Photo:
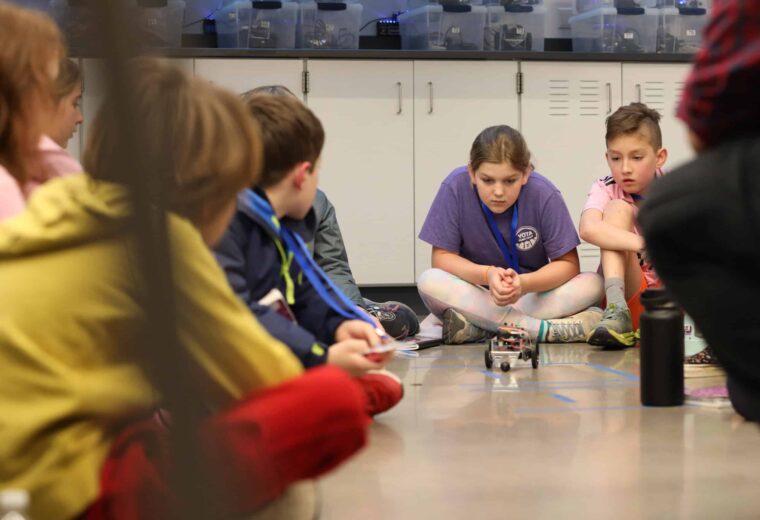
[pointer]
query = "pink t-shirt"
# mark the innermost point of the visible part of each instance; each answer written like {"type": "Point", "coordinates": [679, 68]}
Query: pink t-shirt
{"type": "Point", "coordinates": [605, 190]}
{"type": "Point", "coordinates": [12, 201]}
{"type": "Point", "coordinates": [56, 162]}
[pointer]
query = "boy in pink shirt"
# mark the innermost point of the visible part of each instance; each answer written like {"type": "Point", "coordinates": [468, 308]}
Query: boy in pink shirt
{"type": "Point", "coordinates": [635, 157]}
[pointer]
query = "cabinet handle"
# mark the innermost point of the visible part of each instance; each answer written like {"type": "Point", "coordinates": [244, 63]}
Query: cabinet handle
{"type": "Point", "coordinates": [638, 93]}
{"type": "Point", "coordinates": [430, 96]}
{"type": "Point", "coordinates": [609, 97]}
{"type": "Point", "coordinates": [400, 96]}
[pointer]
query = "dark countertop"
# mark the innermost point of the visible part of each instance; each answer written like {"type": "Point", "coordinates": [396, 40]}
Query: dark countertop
{"type": "Point", "coordinates": [386, 54]}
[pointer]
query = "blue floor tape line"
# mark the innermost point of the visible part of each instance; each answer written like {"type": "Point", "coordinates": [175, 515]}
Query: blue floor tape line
{"type": "Point", "coordinates": [490, 374]}
{"type": "Point", "coordinates": [563, 398]}
{"type": "Point", "coordinates": [507, 390]}
{"type": "Point", "coordinates": [626, 375]}
{"type": "Point", "coordinates": [571, 409]}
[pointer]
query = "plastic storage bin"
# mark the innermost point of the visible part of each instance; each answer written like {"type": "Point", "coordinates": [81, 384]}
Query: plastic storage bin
{"type": "Point", "coordinates": [329, 25]}
{"type": "Point", "coordinates": [257, 25]}
{"type": "Point", "coordinates": [159, 22]}
{"type": "Point", "coordinates": [76, 20]}
{"type": "Point", "coordinates": [443, 27]}
{"type": "Point", "coordinates": [581, 6]}
{"type": "Point", "coordinates": [680, 29]}
{"type": "Point", "coordinates": [607, 29]}
{"type": "Point", "coordinates": [515, 28]}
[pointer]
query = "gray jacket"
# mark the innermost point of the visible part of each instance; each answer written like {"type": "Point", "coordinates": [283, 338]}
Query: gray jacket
{"type": "Point", "coordinates": [329, 250]}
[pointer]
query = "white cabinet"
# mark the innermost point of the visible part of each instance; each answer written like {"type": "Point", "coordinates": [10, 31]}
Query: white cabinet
{"type": "Point", "coordinates": [564, 106]}
{"type": "Point", "coordinates": [453, 102]}
{"type": "Point", "coordinates": [94, 73]}
{"type": "Point", "coordinates": [367, 163]}
{"type": "Point", "coordinates": [242, 75]}
{"type": "Point", "coordinates": [659, 86]}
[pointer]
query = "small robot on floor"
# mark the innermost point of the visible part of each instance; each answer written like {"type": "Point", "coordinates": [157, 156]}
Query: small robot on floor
{"type": "Point", "coordinates": [509, 346]}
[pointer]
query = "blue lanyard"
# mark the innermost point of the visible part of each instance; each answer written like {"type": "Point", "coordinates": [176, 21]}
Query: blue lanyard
{"type": "Point", "coordinates": [316, 276]}
{"type": "Point", "coordinates": [510, 254]}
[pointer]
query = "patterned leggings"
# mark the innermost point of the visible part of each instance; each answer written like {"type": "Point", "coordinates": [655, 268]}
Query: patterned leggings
{"type": "Point", "coordinates": [441, 290]}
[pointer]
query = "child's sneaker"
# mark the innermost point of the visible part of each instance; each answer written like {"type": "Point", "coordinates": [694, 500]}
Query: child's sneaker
{"type": "Point", "coordinates": [457, 329]}
{"type": "Point", "coordinates": [398, 319]}
{"type": "Point", "coordinates": [615, 331]}
{"type": "Point", "coordinates": [383, 389]}
{"type": "Point", "coordinates": [573, 329]}
{"type": "Point", "coordinates": [702, 364]}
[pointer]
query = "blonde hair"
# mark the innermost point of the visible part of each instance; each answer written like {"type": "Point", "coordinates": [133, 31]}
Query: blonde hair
{"type": "Point", "coordinates": [69, 77]}
{"type": "Point", "coordinates": [198, 136]}
{"type": "Point", "coordinates": [500, 144]}
{"type": "Point", "coordinates": [29, 43]}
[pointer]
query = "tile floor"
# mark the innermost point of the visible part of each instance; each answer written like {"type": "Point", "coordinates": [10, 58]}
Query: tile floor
{"type": "Point", "coordinates": [569, 440]}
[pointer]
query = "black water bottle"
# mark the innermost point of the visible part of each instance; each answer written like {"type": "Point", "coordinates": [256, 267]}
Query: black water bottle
{"type": "Point", "coordinates": [662, 350]}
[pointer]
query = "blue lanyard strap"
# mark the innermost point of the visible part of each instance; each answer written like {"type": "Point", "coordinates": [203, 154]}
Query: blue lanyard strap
{"type": "Point", "coordinates": [510, 254]}
{"type": "Point", "coordinates": [316, 276]}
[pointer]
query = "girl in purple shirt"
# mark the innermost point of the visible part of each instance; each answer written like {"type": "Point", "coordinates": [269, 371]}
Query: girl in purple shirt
{"type": "Point", "coordinates": [504, 250]}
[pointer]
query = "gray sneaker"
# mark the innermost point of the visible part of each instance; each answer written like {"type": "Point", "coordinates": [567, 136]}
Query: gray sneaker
{"type": "Point", "coordinates": [615, 331]}
{"type": "Point", "coordinates": [457, 329]}
{"type": "Point", "coordinates": [573, 329]}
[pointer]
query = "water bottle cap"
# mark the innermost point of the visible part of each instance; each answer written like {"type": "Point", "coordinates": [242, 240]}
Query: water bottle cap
{"type": "Point", "coordinates": [657, 298]}
{"type": "Point", "coordinates": [14, 500]}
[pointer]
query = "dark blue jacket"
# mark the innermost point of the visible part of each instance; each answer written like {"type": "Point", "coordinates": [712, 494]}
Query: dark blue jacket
{"type": "Point", "coordinates": [249, 255]}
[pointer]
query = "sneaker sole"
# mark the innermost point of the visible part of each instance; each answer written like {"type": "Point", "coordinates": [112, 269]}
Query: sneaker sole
{"type": "Point", "coordinates": [610, 339]}
{"type": "Point", "coordinates": [694, 371]}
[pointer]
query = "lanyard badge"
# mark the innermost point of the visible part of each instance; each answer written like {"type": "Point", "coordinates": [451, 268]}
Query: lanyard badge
{"type": "Point", "coordinates": [322, 283]}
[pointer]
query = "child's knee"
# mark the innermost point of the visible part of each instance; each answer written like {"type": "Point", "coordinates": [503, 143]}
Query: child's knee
{"type": "Point", "coordinates": [430, 281]}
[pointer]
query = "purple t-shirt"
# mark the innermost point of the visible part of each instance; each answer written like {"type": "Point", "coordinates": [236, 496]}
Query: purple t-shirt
{"type": "Point", "coordinates": [456, 223]}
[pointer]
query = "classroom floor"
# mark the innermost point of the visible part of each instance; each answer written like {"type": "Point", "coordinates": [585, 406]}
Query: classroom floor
{"type": "Point", "coordinates": [569, 440]}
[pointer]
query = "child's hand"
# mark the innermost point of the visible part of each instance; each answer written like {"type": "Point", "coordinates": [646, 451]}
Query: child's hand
{"type": "Point", "coordinates": [514, 286]}
{"type": "Point", "coordinates": [351, 356]}
{"type": "Point", "coordinates": [358, 329]}
{"type": "Point", "coordinates": [500, 291]}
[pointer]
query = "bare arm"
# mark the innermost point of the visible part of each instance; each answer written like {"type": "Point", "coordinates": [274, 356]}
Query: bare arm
{"type": "Point", "coordinates": [553, 274]}
{"type": "Point", "coordinates": [594, 230]}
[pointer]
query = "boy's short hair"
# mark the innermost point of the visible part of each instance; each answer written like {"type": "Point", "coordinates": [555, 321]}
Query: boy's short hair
{"type": "Point", "coordinates": [635, 118]}
{"type": "Point", "coordinates": [291, 134]}
{"type": "Point", "coordinates": [196, 135]}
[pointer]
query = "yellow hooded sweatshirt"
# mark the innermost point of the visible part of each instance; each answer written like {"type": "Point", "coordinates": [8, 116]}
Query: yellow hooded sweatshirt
{"type": "Point", "coordinates": [69, 321]}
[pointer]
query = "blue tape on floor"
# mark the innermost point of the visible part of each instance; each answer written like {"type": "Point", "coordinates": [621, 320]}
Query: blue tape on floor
{"type": "Point", "coordinates": [570, 409]}
{"type": "Point", "coordinates": [507, 390]}
{"type": "Point", "coordinates": [626, 375]}
{"type": "Point", "coordinates": [490, 374]}
{"type": "Point", "coordinates": [563, 398]}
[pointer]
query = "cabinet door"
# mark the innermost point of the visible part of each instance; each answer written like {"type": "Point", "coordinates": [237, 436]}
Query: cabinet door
{"type": "Point", "coordinates": [367, 162]}
{"type": "Point", "coordinates": [453, 102]}
{"type": "Point", "coordinates": [94, 71]}
{"type": "Point", "coordinates": [659, 86]}
{"type": "Point", "coordinates": [564, 107]}
{"type": "Point", "coordinates": [242, 75]}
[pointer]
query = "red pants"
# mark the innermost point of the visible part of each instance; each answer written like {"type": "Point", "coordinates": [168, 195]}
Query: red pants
{"type": "Point", "coordinates": [256, 449]}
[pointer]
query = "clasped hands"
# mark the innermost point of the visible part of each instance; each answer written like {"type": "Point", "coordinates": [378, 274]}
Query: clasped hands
{"type": "Point", "coordinates": [504, 285]}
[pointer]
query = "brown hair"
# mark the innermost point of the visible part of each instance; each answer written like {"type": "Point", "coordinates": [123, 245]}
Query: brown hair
{"type": "Point", "coordinates": [632, 119]}
{"type": "Point", "coordinates": [196, 134]}
{"type": "Point", "coordinates": [69, 77]}
{"type": "Point", "coordinates": [291, 134]}
{"type": "Point", "coordinates": [29, 43]}
{"type": "Point", "coordinates": [500, 144]}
